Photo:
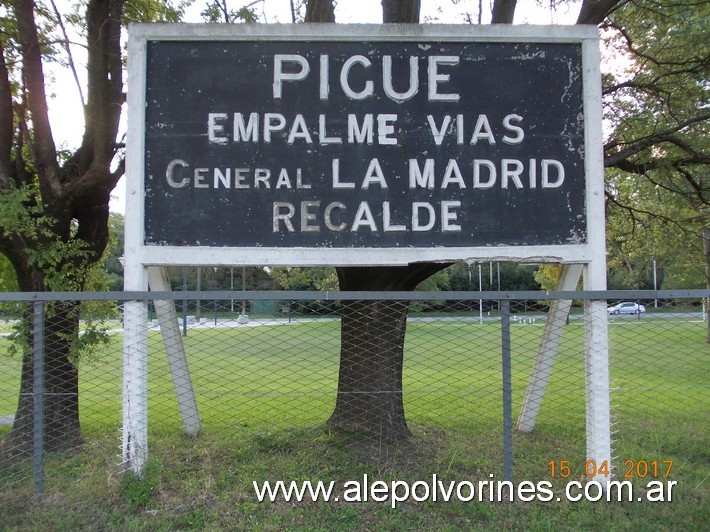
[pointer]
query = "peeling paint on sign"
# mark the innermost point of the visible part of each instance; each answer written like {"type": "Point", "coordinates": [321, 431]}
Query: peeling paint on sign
{"type": "Point", "coordinates": [364, 144]}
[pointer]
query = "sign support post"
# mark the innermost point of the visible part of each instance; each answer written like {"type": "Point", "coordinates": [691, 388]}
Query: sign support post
{"type": "Point", "coordinates": [135, 373]}
{"type": "Point", "coordinates": [547, 352]}
{"type": "Point", "coordinates": [175, 350]}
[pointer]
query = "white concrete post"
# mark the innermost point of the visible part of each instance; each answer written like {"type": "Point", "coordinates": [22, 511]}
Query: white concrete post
{"type": "Point", "coordinates": [135, 386]}
{"type": "Point", "coordinates": [597, 379]}
{"type": "Point", "coordinates": [175, 349]}
{"type": "Point", "coordinates": [596, 325]}
{"type": "Point", "coordinates": [547, 351]}
{"type": "Point", "coordinates": [135, 333]}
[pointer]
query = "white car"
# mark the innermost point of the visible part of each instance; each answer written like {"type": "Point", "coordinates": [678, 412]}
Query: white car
{"type": "Point", "coordinates": [626, 308]}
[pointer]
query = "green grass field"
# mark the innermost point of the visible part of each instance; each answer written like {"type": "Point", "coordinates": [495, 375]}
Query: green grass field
{"type": "Point", "coordinates": [264, 394]}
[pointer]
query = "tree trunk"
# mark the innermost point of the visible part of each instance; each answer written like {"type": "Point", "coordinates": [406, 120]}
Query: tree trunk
{"type": "Point", "coordinates": [370, 376]}
{"type": "Point", "coordinates": [400, 11]}
{"type": "Point", "coordinates": [372, 351]}
{"type": "Point", "coordinates": [320, 11]}
{"type": "Point", "coordinates": [62, 430]}
{"type": "Point", "coordinates": [372, 332]}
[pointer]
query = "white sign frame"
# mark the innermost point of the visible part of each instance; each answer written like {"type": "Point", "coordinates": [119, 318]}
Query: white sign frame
{"type": "Point", "coordinates": [138, 257]}
{"type": "Point", "coordinates": [162, 255]}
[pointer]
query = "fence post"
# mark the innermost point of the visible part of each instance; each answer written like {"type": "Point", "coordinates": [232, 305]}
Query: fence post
{"type": "Point", "coordinates": [135, 385]}
{"type": "Point", "coordinates": [598, 387]}
{"type": "Point", "coordinates": [38, 397]}
{"type": "Point", "coordinates": [184, 301]}
{"type": "Point", "coordinates": [507, 391]}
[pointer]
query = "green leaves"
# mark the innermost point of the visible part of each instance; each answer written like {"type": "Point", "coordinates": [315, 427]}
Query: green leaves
{"type": "Point", "coordinates": [219, 11]}
{"type": "Point", "coordinates": [154, 10]}
{"type": "Point", "coordinates": [305, 278]}
{"type": "Point", "coordinates": [658, 151]}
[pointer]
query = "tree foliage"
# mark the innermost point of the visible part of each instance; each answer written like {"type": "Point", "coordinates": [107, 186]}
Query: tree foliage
{"type": "Point", "coordinates": [8, 279]}
{"type": "Point", "coordinates": [305, 278]}
{"type": "Point", "coordinates": [220, 11]}
{"type": "Point", "coordinates": [647, 225]}
{"type": "Point", "coordinates": [114, 251]}
{"type": "Point", "coordinates": [658, 152]}
{"type": "Point", "coordinates": [54, 204]}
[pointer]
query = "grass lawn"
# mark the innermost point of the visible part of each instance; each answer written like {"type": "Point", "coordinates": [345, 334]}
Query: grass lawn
{"type": "Point", "coordinates": [264, 394]}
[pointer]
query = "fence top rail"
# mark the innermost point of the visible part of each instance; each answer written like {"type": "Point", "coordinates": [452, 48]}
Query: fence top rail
{"type": "Point", "coordinates": [349, 295]}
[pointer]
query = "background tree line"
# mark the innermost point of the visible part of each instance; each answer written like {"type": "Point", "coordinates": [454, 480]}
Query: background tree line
{"type": "Point", "coordinates": [677, 255]}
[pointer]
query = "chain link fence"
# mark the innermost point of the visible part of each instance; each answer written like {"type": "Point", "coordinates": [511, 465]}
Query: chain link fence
{"type": "Point", "coordinates": [261, 366]}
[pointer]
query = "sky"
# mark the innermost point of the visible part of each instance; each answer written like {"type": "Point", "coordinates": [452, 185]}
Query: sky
{"type": "Point", "coordinates": [65, 103]}
{"type": "Point", "coordinates": [432, 11]}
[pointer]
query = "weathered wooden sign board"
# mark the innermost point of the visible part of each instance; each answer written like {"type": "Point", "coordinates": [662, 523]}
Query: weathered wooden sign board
{"type": "Point", "coordinates": [407, 143]}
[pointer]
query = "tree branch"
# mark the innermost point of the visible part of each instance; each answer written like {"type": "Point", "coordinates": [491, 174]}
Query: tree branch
{"type": "Point", "coordinates": [70, 57]}
{"type": "Point", "coordinates": [613, 159]}
{"type": "Point", "coordinates": [44, 151]}
{"type": "Point", "coordinates": [630, 45]}
{"type": "Point", "coordinates": [698, 156]}
{"type": "Point", "coordinates": [696, 185]}
{"type": "Point", "coordinates": [104, 88]}
{"type": "Point", "coordinates": [653, 85]}
{"type": "Point", "coordinates": [643, 167]}
{"type": "Point", "coordinates": [118, 172]}
{"type": "Point", "coordinates": [633, 211]}
{"type": "Point", "coordinates": [6, 122]}
{"type": "Point", "coordinates": [594, 11]}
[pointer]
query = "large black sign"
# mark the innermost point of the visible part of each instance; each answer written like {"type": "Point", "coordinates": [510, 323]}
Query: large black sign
{"type": "Point", "coordinates": [364, 144]}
